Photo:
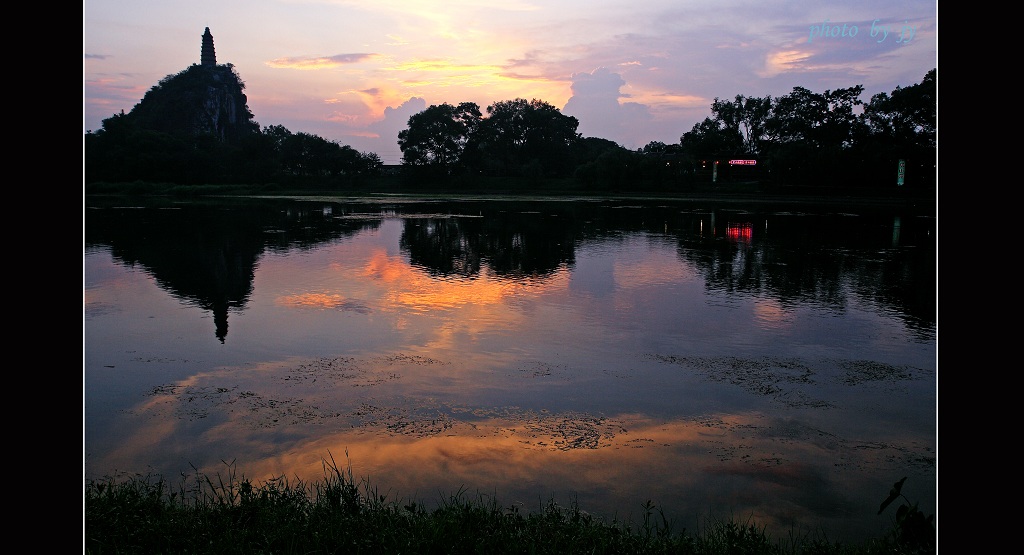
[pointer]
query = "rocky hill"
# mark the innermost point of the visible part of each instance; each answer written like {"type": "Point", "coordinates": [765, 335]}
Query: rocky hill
{"type": "Point", "coordinates": [200, 100]}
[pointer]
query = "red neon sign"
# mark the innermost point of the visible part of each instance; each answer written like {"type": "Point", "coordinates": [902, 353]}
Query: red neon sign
{"type": "Point", "coordinates": [742, 162]}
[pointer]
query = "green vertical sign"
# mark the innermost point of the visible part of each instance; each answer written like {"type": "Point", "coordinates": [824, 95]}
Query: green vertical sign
{"type": "Point", "coordinates": [901, 172]}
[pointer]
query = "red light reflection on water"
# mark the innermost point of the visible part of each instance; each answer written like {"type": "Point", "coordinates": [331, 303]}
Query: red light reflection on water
{"type": "Point", "coordinates": [740, 232]}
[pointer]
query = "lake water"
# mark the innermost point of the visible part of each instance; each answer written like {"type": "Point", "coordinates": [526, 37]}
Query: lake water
{"type": "Point", "coordinates": [756, 362]}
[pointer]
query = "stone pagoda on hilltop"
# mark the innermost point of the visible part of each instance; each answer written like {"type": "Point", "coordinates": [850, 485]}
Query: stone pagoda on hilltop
{"type": "Point", "coordinates": [208, 56]}
{"type": "Point", "coordinates": [203, 99]}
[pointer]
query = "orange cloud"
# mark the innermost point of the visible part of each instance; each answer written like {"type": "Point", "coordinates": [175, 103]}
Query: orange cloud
{"type": "Point", "coordinates": [783, 61]}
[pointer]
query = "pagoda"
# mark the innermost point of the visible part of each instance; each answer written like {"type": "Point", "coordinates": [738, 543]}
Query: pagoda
{"type": "Point", "coordinates": [208, 56]}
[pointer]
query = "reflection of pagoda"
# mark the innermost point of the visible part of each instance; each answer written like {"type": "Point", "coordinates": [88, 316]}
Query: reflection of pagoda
{"type": "Point", "coordinates": [208, 57]}
{"type": "Point", "coordinates": [206, 255]}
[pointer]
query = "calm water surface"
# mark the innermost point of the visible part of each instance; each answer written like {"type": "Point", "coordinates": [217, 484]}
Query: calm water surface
{"type": "Point", "coordinates": [721, 361]}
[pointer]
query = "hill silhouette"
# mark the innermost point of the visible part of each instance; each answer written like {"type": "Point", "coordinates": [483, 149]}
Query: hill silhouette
{"type": "Point", "coordinates": [200, 100]}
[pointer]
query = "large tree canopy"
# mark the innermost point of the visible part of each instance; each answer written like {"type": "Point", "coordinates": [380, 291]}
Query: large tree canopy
{"type": "Point", "coordinates": [437, 136]}
{"type": "Point", "coordinates": [823, 120]}
{"type": "Point", "coordinates": [906, 116]}
{"type": "Point", "coordinates": [527, 137]}
{"type": "Point", "coordinates": [711, 138]}
{"type": "Point", "coordinates": [518, 137]}
{"type": "Point", "coordinates": [743, 116]}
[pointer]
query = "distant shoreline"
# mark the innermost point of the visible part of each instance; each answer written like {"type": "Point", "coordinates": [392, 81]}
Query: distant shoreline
{"type": "Point", "coordinates": [918, 201]}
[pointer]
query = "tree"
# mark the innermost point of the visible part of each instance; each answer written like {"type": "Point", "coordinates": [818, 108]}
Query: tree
{"type": "Point", "coordinates": [822, 120]}
{"type": "Point", "coordinates": [437, 136]}
{"type": "Point", "coordinates": [902, 126]}
{"type": "Point", "coordinates": [752, 117]}
{"type": "Point", "coordinates": [526, 137]}
{"type": "Point", "coordinates": [908, 115]}
{"type": "Point", "coordinates": [710, 139]}
{"type": "Point", "coordinates": [588, 149]}
{"type": "Point", "coordinates": [277, 135]}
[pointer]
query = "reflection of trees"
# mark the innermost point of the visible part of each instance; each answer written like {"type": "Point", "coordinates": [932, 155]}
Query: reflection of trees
{"type": "Point", "coordinates": [824, 260]}
{"type": "Point", "coordinates": [446, 246]}
{"type": "Point", "coordinates": [512, 243]}
{"type": "Point", "coordinates": [791, 257]}
{"type": "Point", "coordinates": [530, 244]}
{"type": "Point", "coordinates": [206, 254]}
{"type": "Point", "coordinates": [755, 268]}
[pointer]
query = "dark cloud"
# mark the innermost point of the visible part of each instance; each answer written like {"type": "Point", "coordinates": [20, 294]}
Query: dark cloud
{"type": "Point", "coordinates": [350, 58]}
{"type": "Point", "coordinates": [602, 83]}
{"type": "Point", "coordinates": [387, 129]}
{"type": "Point", "coordinates": [595, 103]}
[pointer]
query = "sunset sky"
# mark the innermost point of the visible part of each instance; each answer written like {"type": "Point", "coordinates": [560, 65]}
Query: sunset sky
{"type": "Point", "coordinates": [633, 72]}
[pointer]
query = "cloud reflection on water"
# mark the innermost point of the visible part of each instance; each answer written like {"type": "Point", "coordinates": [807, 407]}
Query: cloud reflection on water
{"type": "Point", "coordinates": [424, 448]}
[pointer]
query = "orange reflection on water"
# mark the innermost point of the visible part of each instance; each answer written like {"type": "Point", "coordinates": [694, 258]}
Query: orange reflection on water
{"type": "Point", "coordinates": [409, 288]}
{"type": "Point", "coordinates": [656, 269]}
{"type": "Point", "coordinates": [770, 314]}
{"type": "Point", "coordinates": [314, 300]}
{"type": "Point", "coordinates": [749, 463]}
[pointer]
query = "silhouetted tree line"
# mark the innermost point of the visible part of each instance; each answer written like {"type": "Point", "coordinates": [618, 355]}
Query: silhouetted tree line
{"type": "Point", "coordinates": [803, 138]}
{"type": "Point", "coordinates": [799, 139]}
{"type": "Point", "coordinates": [807, 138]}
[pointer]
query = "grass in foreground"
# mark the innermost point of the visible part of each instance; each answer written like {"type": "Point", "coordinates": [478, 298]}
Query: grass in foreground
{"type": "Point", "coordinates": [144, 515]}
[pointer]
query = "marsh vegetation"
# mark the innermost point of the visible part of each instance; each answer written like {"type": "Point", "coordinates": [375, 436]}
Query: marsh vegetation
{"type": "Point", "coordinates": [229, 514]}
